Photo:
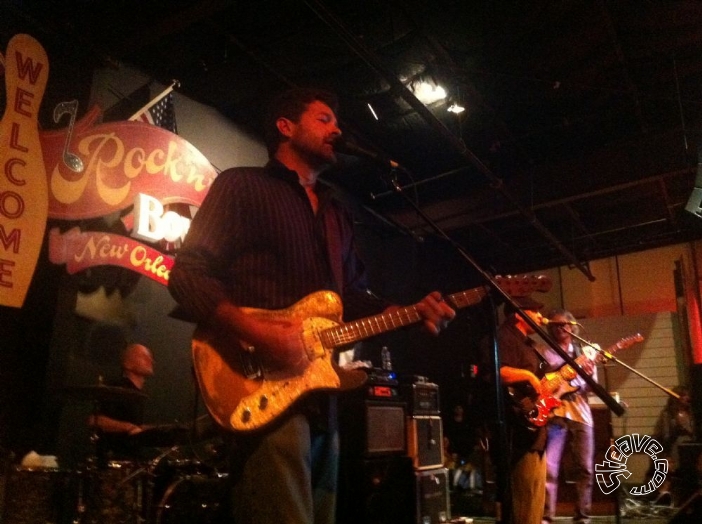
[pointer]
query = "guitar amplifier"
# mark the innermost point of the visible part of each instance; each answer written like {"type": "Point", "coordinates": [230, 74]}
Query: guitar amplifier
{"type": "Point", "coordinates": [425, 442]}
{"type": "Point", "coordinates": [433, 502]}
{"type": "Point", "coordinates": [422, 398]}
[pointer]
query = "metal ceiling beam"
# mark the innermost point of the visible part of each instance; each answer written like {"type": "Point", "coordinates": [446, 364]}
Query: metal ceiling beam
{"type": "Point", "coordinates": [496, 183]}
{"type": "Point", "coordinates": [580, 196]}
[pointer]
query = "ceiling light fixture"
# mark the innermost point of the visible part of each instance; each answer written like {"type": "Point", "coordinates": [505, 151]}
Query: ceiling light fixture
{"type": "Point", "coordinates": [455, 108]}
{"type": "Point", "coordinates": [428, 93]}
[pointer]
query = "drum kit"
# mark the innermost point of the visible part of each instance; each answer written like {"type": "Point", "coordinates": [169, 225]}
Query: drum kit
{"type": "Point", "coordinates": [176, 486]}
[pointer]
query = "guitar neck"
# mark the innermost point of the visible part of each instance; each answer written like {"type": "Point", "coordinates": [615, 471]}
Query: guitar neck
{"type": "Point", "coordinates": [567, 369]}
{"type": "Point", "coordinates": [357, 330]}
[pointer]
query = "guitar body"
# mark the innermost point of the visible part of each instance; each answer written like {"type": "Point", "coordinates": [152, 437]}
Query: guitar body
{"type": "Point", "coordinates": [562, 384]}
{"type": "Point", "coordinates": [534, 411]}
{"type": "Point", "coordinates": [241, 395]}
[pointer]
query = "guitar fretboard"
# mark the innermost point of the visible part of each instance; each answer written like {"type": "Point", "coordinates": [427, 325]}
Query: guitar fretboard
{"type": "Point", "coordinates": [357, 330]}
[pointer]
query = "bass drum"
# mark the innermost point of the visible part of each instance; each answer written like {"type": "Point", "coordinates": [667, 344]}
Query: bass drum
{"type": "Point", "coordinates": [195, 498]}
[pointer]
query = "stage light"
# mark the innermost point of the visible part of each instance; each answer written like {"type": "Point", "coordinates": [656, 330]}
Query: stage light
{"type": "Point", "coordinates": [370, 107]}
{"type": "Point", "coordinates": [428, 93]}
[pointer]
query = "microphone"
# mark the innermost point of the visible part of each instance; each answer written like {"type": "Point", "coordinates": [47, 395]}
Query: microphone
{"type": "Point", "coordinates": [341, 145]}
{"type": "Point", "coordinates": [545, 321]}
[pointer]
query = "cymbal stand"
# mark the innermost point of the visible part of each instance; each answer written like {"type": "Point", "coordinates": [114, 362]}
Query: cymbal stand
{"type": "Point", "coordinates": [90, 466]}
{"type": "Point", "coordinates": [150, 484]}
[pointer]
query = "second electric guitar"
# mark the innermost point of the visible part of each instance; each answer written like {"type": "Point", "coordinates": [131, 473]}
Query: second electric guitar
{"type": "Point", "coordinates": [537, 411]}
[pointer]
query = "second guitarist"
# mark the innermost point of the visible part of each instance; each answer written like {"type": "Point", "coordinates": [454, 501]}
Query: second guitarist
{"type": "Point", "coordinates": [522, 367]}
{"type": "Point", "coordinates": [572, 424]}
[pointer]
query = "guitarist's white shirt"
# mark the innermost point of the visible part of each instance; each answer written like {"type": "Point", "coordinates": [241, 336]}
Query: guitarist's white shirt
{"type": "Point", "coordinates": [575, 405]}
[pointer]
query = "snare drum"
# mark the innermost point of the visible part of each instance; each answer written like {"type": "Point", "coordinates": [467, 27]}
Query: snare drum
{"type": "Point", "coordinates": [194, 498]}
{"type": "Point", "coordinates": [114, 494]}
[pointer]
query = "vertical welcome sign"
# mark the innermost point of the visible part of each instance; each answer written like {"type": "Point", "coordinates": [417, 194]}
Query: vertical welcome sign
{"type": "Point", "coordinates": [23, 184]}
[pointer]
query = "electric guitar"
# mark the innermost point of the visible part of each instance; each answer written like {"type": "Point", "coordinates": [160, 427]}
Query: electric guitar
{"type": "Point", "coordinates": [242, 395]}
{"type": "Point", "coordinates": [536, 409]}
{"type": "Point", "coordinates": [558, 383]}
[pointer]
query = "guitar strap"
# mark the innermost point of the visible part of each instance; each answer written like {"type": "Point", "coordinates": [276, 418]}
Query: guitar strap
{"type": "Point", "coordinates": [543, 363]}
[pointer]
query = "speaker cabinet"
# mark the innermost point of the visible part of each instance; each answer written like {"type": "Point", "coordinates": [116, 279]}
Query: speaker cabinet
{"type": "Point", "coordinates": [433, 503]}
{"type": "Point", "coordinates": [377, 491]}
{"type": "Point", "coordinates": [425, 442]}
{"type": "Point", "coordinates": [385, 428]}
{"type": "Point", "coordinates": [371, 428]}
{"type": "Point", "coordinates": [387, 490]}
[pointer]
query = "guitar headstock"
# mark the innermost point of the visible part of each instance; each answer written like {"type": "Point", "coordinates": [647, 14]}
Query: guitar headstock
{"type": "Point", "coordinates": [629, 341]}
{"type": "Point", "coordinates": [523, 285]}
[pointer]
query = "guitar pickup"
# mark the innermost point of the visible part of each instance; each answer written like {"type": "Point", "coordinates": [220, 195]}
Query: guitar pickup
{"type": "Point", "coordinates": [250, 366]}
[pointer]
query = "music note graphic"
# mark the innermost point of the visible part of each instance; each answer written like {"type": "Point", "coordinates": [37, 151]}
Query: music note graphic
{"type": "Point", "coordinates": [72, 161]}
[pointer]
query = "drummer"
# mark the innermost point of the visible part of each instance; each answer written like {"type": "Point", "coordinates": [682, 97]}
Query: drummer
{"type": "Point", "coordinates": [119, 419]}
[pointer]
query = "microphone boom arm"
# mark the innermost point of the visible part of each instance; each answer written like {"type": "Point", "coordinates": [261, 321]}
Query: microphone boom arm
{"type": "Point", "coordinates": [608, 356]}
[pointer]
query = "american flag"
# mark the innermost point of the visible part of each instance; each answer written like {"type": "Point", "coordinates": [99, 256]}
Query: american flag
{"type": "Point", "coordinates": [162, 114]}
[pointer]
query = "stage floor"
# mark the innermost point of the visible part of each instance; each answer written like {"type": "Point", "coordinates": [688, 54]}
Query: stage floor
{"type": "Point", "coordinates": [631, 511]}
{"type": "Point", "coordinates": [602, 519]}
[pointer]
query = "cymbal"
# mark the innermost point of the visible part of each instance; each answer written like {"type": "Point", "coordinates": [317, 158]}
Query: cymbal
{"type": "Point", "coordinates": [103, 393]}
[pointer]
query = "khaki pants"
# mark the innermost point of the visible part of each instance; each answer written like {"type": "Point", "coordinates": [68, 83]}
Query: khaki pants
{"type": "Point", "coordinates": [528, 486]}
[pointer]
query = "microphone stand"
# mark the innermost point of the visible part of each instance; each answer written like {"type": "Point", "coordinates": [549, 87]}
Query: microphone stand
{"type": "Point", "coordinates": [594, 386]}
{"type": "Point", "coordinates": [614, 359]}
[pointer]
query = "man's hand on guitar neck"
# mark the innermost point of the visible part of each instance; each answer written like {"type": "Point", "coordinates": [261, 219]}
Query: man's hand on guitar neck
{"type": "Point", "coordinates": [587, 365]}
{"type": "Point", "coordinates": [435, 312]}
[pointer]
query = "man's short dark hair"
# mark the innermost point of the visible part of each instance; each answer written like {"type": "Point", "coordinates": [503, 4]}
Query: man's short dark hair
{"type": "Point", "coordinates": [291, 104]}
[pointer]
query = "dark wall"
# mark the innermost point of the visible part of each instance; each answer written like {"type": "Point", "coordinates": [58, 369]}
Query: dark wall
{"type": "Point", "coordinates": [25, 333]}
{"type": "Point", "coordinates": [25, 336]}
